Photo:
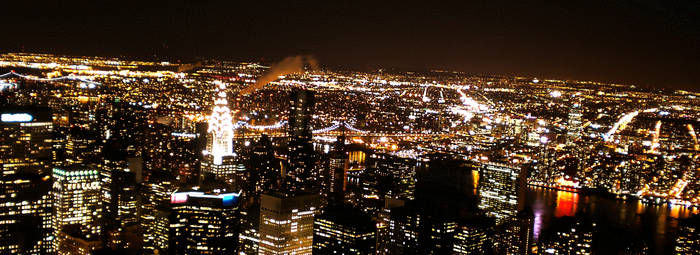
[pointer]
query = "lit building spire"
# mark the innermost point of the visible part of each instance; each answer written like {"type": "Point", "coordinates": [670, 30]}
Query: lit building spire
{"type": "Point", "coordinates": [220, 127]}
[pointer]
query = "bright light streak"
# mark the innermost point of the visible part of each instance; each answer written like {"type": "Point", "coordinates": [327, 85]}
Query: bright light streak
{"type": "Point", "coordinates": [267, 127]}
{"type": "Point", "coordinates": [691, 130]}
{"type": "Point", "coordinates": [425, 97]}
{"type": "Point", "coordinates": [620, 125]}
{"type": "Point", "coordinates": [655, 136]}
{"type": "Point", "coordinates": [677, 189]}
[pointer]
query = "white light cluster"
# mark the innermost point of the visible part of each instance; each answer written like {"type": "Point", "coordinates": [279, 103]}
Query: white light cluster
{"type": "Point", "coordinates": [16, 117]}
{"type": "Point", "coordinates": [221, 127]}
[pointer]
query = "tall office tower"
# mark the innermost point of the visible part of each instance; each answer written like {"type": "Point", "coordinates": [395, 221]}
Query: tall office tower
{"type": "Point", "coordinates": [74, 241]}
{"type": "Point", "coordinates": [428, 224]}
{"type": "Point", "coordinates": [109, 209]}
{"type": "Point", "coordinates": [473, 238]}
{"type": "Point", "coordinates": [399, 230]}
{"type": "Point", "coordinates": [125, 195]}
{"type": "Point", "coordinates": [123, 205]}
{"type": "Point", "coordinates": [119, 192]}
{"type": "Point", "coordinates": [688, 237]}
{"type": "Point", "coordinates": [263, 175]}
{"type": "Point", "coordinates": [414, 229]}
{"type": "Point", "coordinates": [301, 108]}
{"type": "Point", "coordinates": [218, 157]}
{"type": "Point", "coordinates": [249, 238]}
{"type": "Point", "coordinates": [338, 174]}
{"type": "Point", "coordinates": [417, 229]}
{"type": "Point", "coordinates": [25, 214]}
{"type": "Point", "coordinates": [77, 197]}
{"type": "Point", "coordinates": [26, 141]}
{"type": "Point", "coordinates": [570, 236]}
{"type": "Point", "coordinates": [82, 146]}
{"type": "Point", "coordinates": [344, 230]}
{"type": "Point", "coordinates": [371, 188]}
{"type": "Point", "coordinates": [118, 176]}
{"type": "Point", "coordinates": [263, 167]}
{"type": "Point", "coordinates": [515, 235]}
{"type": "Point", "coordinates": [575, 127]}
{"type": "Point", "coordinates": [204, 220]}
{"type": "Point", "coordinates": [156, 210]}
{"type": "Point", "coordinates": [632, 176]}
{"type": "Point", "coordinates": [384, 240]}
{"type": "Point", "coordinates": [501, 190]}
{"type": "Point", "coordinates": [286, 222]}
{"type": "Point", "coordinates": [385, 166]}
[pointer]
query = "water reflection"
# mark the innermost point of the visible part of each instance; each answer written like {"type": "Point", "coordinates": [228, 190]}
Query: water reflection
{"type": "Point", "coordinates": [654, 224]}
{"type": "Point", "coordinates": [567, 202]}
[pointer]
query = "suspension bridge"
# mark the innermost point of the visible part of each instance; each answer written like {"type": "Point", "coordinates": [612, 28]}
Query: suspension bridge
{"type": "Point", "coordinates": [61, 78]}
{"type": "Point", "coordinates": [245, 130]}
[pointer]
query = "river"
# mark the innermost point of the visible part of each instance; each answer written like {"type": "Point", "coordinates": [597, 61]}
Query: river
{"type": "Point", "coordinates": [618, 221]}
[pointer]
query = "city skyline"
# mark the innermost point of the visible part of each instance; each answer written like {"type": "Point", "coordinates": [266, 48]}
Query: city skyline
{"type": "Point", "coordinates": [269, 158]}
{"type": "Point", "coordinates": [334, 127]}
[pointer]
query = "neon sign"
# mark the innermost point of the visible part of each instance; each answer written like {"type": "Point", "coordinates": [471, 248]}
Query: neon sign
{"type": "Point", "coordinates": [227, 199]}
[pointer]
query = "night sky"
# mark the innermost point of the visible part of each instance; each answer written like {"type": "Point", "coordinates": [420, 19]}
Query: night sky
{"type": "Point", "coordinates": [649, 43]}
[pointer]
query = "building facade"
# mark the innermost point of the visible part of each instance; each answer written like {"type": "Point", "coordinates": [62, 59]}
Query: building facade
{"type": "Point", "coordinates": [287, 222]}
{"type": "Point", "coordinates": [203, 223]}
{"type": "Point", "coordinates": [500, 190]}
{"type": "Point", "coordinates": [26, 141]}
{"type": "Point", "coordinates": [301, 108]}
{"type": "Point", "coordinates": [77, 198]}
{"type": "Point", "coordinates": [344, 230]}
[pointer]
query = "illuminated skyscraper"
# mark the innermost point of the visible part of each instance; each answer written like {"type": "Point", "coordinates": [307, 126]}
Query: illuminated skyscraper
{"type": "Point", "coordinates": [344, 230]}
{"type": "Point", "coordinates": [400, 230]}
{"type": "Point", "coordinates": [123, 207]}
{"type": "Point", "coordinates": [287, 223]}
{"type": "Point", "coordinates": [220, 128]}
{"type": "Point", "coordinates": [26, 141]}
{"type": "Point", "coordinates": [203, 222]}
{"type": "Point", "coordinates": [472, 238]}
{"type": "Point", "coordinates": [501, 190]}
{"type": "Point", "coordinates": [263, 167]}
{"type": "Point", "coordinates": [74, 241]}
{"type": "Point", "coordinates": [26, 156]}
{"type": "Point", "coordinates": [301, 107]}
{"type": "Point", "coordinates": [338, 172]}
{"type": "Point", "coordinates": [156, 210]}
{"type": "Point", "coordinates": [575, 127]}
{"type": "Point", "coordinates": [515, 235]}
{"type": "Point", "coordinates": [82, 146]}
{"type": "Point", "coordinates": [218, 157]}
{"type": "Point", "coordinates": [77, 198]}
{"type": "Point", "coordinates": [25, 214]}
{"type": "Point", "coordinates": [570, 236]}
{"type": "Point", "coordinates": [444, 198]}
{"type": "Point", "coordinates": [264, 173]}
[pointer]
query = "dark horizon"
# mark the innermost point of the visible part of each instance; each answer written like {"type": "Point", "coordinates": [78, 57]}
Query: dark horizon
{"type": "Point", "coordinates": [644, 43]}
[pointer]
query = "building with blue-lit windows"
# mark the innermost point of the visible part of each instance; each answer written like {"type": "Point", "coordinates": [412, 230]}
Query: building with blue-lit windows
{"type": "Point", "coordinates": [203, 222]}
{"type": "Point", "coordinates": [26, 141]}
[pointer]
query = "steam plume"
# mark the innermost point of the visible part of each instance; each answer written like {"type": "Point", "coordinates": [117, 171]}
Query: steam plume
{"type": "Point", "coordinates": [188, 67]}
{"type": "Point", "coordinates": [288, 65]}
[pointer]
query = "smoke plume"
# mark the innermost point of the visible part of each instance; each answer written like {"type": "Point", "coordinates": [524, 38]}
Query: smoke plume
{"type": "Point", "coordinates": [188, 67]}
{"type": "Point", "coordinates": [287, 66]}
